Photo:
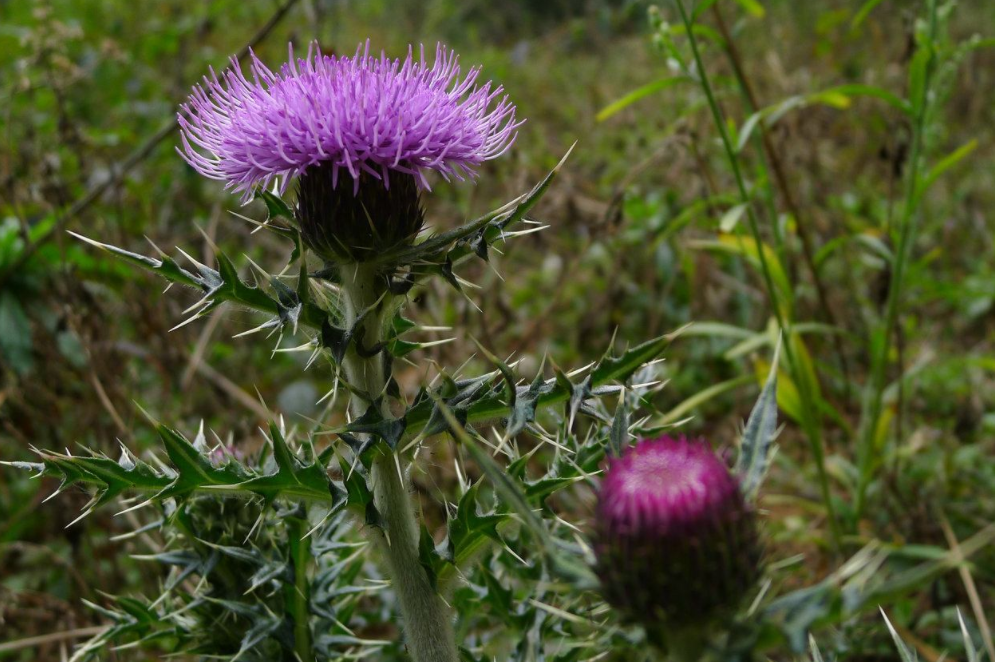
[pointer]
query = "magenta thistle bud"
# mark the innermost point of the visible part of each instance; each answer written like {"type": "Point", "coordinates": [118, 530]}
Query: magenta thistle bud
{"type": "Point", "coordinates": [352, 123]}
{"type": "Point", "coordinates": [675, 541]}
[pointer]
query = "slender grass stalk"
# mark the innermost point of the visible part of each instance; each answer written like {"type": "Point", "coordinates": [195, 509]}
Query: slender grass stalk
{"type": "Point", "coordinates": [908, 233]}
{"type": "Point", "coordinates": [787, 193]}
{"type": "Point", "coordinates": [811, 428]}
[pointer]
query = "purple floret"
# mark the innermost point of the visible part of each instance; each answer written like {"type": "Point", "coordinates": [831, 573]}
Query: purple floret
{"type": "Point", "coordinates": [665, 483]}
{"type": "Point", "coordinates": [359, 114]}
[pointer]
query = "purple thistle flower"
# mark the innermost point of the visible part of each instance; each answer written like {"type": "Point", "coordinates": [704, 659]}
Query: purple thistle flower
{"type": "Point", "coordinates": [676, 543]}
{"type": "Point", "coordinates": [359, 116]}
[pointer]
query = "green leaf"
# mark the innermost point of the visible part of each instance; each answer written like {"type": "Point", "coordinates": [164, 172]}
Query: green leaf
{"type": "Point", "coordinates": [636, 95]}
{"type": "Point", "coordinates": [219, 286]}
{"type": "Point", "coordinates": [945, 164]}
{"type": "Point", "coordinates": [429, 558]}
{"type": "Point", "coordinates": [619, 438]}
{"type": "Point", "coordinates": [691, 403]}
{"type": "Point", "coordinates": [509, 492]}
{"type": "Point", "coordinates": [863, 13]}
{"type": "Point", "coordinates": [357, 490]}
{"type": "Point", "coordinates": [752, 7]}
{"type": "Point", "coordinates": [293, 478]}
{"type": "Point", "coordinates": [731, 218]}
{"type": "Point", "coordinates": [192, 468]}
{"type": "Point", "coordinates": [757, 447]}
{"type": "Point", "coordinates": [16, 345]}
{"type": "Point", "coordinates": [374, 422]}
{"type": "Point", "coordinates": [524, 406]}
{"type": "Point", "coordinates": [468, 530]}
{"type": "Point", "coordinates": [475, 404]}
{"type": "Point", "coordinates": [165, 267]}
{"type": "Point", "coordinates": [448, 248]}
{"type": "Point", "coordinates": [918, 74]}
{"type": "Point", "coordinates": [837, 97]}
{"type": "Point", "coordinates": [904, 653]}
{"type": "Point", "coordinates": [275, 205]}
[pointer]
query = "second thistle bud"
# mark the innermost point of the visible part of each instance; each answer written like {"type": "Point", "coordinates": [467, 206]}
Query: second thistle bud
{"type": "Point", "coordinates": [676, 543]}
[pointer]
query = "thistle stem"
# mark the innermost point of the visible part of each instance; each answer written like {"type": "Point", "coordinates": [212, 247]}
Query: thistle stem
{"type": "Point", "coordinates": [300, 550]}
{"type": "Point", "coordinates": [427, 619]}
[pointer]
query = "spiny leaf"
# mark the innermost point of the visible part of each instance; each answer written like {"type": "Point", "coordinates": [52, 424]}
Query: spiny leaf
{"type": "Point", "coordinates": [275, 205]}
{"type": "Point", "coordinates": [479, 404]}
{"type": "Point", "coordinates": [905, 653]}
{"type": "Point", "coordinates": [620, 428]}
{"type": "Point", "coordinates": [374, 422]}
{"type": "Point", "coordinates": [524, 407]}
{"type": "Point", "coordinates": [357, 490]}
{"type": "Point", "coordinates": [469, 529]}
{"type": "Point", "coordinates": [165, 267]}
{"type": "Point", "coordinates": [429, 557]}
{"type": "Point", "coordinates": [191, 472]}
{"type": "Point", "coordinates": [221, 285]}
{"type": "Point", "coordinates": [193, 469]}
{"type": "Point", "coordinates": [293, 478]}
{"type": "Point", "coordinates": [440, 248]}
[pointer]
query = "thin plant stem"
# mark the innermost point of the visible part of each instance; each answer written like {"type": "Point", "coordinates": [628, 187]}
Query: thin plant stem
{"type": "Point", "coordinates": [812, 431]}
{"type": "Point", "coordinates": [882, 341]}
{"type": "Point", "coordinates": [787, 194]}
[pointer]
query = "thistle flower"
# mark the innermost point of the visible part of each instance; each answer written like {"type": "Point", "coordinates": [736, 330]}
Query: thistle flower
{"type": "Point", "coordinates": [359, 131]}
{"type": "Point", "coordinates": [676, 543]}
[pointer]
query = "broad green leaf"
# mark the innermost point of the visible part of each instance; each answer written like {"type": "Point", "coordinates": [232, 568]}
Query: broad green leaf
{"type": "Point", "coordinates": [469, 530]}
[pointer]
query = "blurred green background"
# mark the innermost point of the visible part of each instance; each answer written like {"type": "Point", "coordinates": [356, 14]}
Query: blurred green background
{"type": "Point", "coordinates": [632, 251]}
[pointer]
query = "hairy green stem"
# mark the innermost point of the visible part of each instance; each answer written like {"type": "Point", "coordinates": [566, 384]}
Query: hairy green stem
{"type": "Point", "coordinates": [300, 552]}
{"type": "Point", "coordinates": [874, 392]}
{"type": "Point", "coordinates": [811, 429]}
{"type": "Point", "coordinates": [427, 619]}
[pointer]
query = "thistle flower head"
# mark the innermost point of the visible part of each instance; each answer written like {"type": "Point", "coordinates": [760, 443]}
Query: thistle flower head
{"type": "Point", "coordinates": [359, 114]}
{"type": "Point", "coordinates": [346, 122]}
{"type": "Point", "coordinates": [675, 541]}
